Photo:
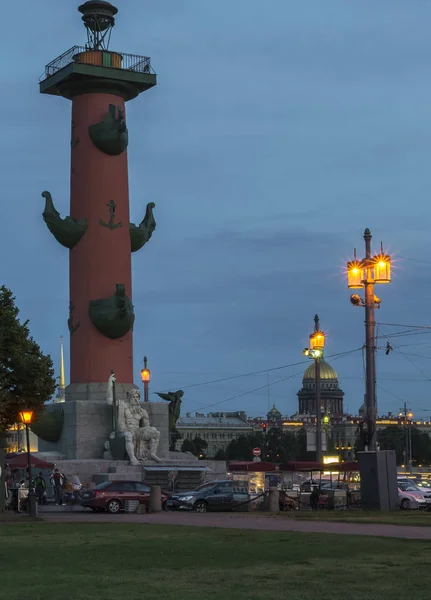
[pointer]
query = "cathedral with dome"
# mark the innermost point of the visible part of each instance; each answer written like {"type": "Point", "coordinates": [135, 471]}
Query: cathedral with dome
{"type": "Point", "coordinates": [330, 392]}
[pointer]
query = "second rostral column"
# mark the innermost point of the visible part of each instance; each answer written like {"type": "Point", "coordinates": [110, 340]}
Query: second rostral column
{"type": "Point", "coordinates": [98, 232]}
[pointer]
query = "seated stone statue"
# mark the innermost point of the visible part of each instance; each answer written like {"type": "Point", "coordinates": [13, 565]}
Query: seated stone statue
{"type": "Point", "coordinates": [133, 424]}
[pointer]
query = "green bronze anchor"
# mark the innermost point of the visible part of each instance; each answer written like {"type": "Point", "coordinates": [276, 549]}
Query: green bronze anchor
{"type": "Point", "coordinates": [72, 327]}
{"type": "Point", "coordinates": [111, 225]}
{"type": "Point", "coordinates": [73, 140]}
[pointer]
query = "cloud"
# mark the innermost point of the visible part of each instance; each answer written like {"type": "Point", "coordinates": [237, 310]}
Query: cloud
{"type": "Point", "coordinates": [273, 138]}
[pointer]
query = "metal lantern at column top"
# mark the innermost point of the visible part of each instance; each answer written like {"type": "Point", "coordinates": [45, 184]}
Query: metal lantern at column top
{"type": "Point", "coordinates": [317, 341]}
{"type": "Point", "coordinates": [382, 267]}
{"type": "Point", "coordinates": [99, 19]}
{"type": "Point", "coordinates": [145, 372]}
{"type": "Point", "coordinates": [355, 274]}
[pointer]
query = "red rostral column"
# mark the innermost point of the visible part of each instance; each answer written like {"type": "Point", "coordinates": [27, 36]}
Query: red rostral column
{"type": "Point", "coordinates": [98, 232]}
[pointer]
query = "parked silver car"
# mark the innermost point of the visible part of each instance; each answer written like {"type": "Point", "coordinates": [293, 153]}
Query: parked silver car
{"type": "Point", "coordinates": [411, 496]}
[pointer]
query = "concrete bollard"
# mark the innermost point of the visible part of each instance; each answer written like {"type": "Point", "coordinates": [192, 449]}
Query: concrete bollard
{"type": "Point", "coordinates": [155, 499]}
{"type": "Point", "coordinates": [273, 500]}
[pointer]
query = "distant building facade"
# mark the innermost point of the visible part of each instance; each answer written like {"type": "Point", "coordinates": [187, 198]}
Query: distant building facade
{"type": "Point", "coordinates": [217, 429]}
{"type": "Point", "coordinates": [16, 440]}
{"type": "Point", "coordinates": [339, 430]}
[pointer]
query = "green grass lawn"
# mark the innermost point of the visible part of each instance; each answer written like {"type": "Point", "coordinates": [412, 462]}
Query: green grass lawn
{"type": "Point", "coordinates": [415, 518]}
{"type": "Point", "coordinates": [128, 562]}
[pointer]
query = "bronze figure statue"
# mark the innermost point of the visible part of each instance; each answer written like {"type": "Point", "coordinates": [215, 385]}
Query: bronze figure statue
{"type": "Point", "coordinates": [174, 399]}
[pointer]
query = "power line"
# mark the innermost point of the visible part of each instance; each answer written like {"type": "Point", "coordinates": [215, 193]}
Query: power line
{"type": "Point", "coordinates": [406, 334]}
{"type": "Point", "coordinates": [393, 377]}
{"type": "Point", "coordinates": [251, 391]}
{"type": "Point", "coordinates": [335, 356]}
{"type": "Point", "coordinates": [416, 355]}
{"type": "Point", "coordinates": [426, 344]}
{"type": "Point", "coordinates": [195, 373]}
{"type": "Point", "coordinates": [404, 325]}
{"type": "Point", "coordinates": [414, 364]}
{"type": "Point", "coordinates": [390, 393]}
{"type": "Point", "coordinates": [427, 262]}
{"type": "Point", "coordinates": [264, 371]}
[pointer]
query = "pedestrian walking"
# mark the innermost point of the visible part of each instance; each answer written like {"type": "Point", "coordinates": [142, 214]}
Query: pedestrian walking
{"type": "Point", "coordinates": [314, 498]}
{"type": "Point", "coordinates": [40, 488]}
{"type": "Point", "coordinates": [57, 480]}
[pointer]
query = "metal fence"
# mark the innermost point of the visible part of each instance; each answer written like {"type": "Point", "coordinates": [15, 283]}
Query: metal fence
{"type": "Point", "coordinates": [102, 58]}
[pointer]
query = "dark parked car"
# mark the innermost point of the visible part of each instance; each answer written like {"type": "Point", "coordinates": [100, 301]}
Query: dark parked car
{"type": "Point", "coordinates": [216, 495]}
{"type": "Point", "coordinates": [111, 495]}
{"type": "Point", "coordinates": [333, 485]}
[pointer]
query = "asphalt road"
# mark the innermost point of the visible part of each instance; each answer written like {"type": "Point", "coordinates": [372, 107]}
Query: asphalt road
{"type": "Point", "coordinates": [235, 521]}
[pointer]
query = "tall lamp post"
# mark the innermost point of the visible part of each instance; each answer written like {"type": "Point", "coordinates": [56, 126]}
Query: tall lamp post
{"type": "Point", "coordinates": [364, 273]}
{"type": "Point", "coordinates": [146, 378]}
{"type": "Point", "coordinates": [407, 421]}
{"type": "Point", "coordinates": [315, 352]}
{"type": "Point", "coordinates": [26, 417]}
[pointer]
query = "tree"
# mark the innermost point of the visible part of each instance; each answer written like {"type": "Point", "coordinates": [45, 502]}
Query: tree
{"type": "Point", "coordinates": [220, 454]}
{"type": "Point", "coordinates": [196, 446]}
{"type": "Point", "coordinates": [175, 436]}
{"type": "Point", "coordinates": [395, 438]}
{"type": "Point", "coordinates": [242, 447]}
{"type": "Point", "coordinates": [276, 445]}
{"type": "Point", "coordinates": [26, 374]}
{"type": "Point", "coordinates": [421, 446]}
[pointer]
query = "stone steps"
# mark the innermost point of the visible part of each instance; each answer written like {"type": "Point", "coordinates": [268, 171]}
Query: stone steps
{"type": "Point", "coordinates": [101, 477]}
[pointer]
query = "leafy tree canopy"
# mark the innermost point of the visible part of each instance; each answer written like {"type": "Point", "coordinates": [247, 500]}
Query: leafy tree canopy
{"type": "Point", "coordinates": [196, 446]}
{"type": "Point", "coordinates": [175, 437]}
{"type": "Point", "coordinates": [220, 455]}
{"type": "Point", "coordinates": [395, 437]}
{"type": "Point", "coordinates": [26, 374]}
{"type": "Point", "coordinates": [276, 446]}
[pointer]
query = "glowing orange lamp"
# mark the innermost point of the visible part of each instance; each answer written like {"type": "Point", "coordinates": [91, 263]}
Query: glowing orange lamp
{"type": "Point", "coordinates": [317, 340]}
{"type": "Point", "coordinates": [355, 274]}
{"type": "Point", "coordinates": [26, 417]}
{"type": "Point", "coordinates": [146, 375]}
{"type": "Point", "coordinates": [146, 378]}
{"type": "Point", "coordinates": [382, 268]}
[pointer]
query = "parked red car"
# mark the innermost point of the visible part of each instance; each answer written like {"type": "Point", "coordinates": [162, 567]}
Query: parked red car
{"type": "Point", "coordinates": [112, 495]}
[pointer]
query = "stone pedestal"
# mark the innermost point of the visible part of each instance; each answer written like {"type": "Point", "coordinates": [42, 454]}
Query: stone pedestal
{"type": "Point", "coordinates": [88, 422]}
{"type": "Point", "coordinates": [158, 413]}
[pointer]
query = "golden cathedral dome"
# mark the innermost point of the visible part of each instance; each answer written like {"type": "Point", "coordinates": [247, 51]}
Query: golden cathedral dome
{"type": "Point", "coordinates": [326, 371]}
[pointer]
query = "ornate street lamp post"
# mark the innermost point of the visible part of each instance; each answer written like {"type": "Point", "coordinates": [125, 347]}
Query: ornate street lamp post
{"type": "Point", "coordinates": [364, 273]}
{"type": "Point", "coordinates": [26, 417]}
{"type": "Point", "coordinates": [315, 352]}
{"type": "Point", "coordinates": [407, 421]}
{"type": "Point", "coordinates": [146, 378]}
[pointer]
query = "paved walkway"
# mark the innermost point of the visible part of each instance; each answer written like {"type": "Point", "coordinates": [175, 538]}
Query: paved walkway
{"type": "Point", "coordinates": [229, 521]}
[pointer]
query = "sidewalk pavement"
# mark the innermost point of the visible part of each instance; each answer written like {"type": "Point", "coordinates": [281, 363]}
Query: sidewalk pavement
{"type": "Point", "coordinates": [232, 521]}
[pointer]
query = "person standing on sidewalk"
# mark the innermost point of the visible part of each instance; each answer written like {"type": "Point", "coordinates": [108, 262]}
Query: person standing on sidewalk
{"type": "Point", "coordinates": [57, 480]}
{"type": "Point", "coordinates": [39, 488]}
